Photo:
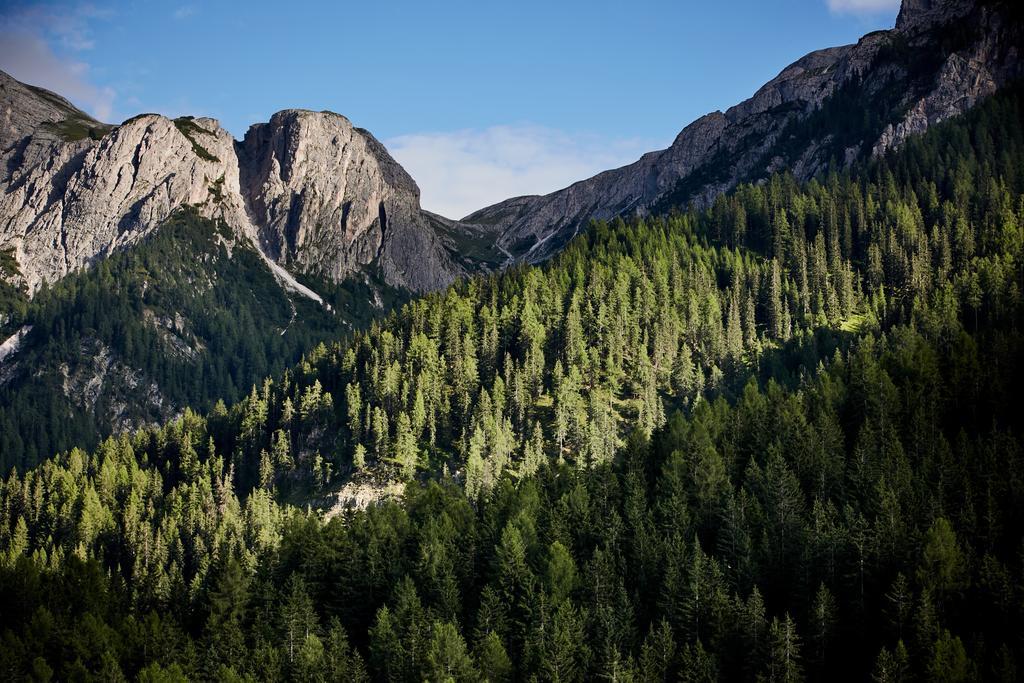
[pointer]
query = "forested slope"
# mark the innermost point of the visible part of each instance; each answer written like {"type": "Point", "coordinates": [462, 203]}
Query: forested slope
{"type": "Point", "coordinates": [775, 439]}
{"type": "Point", "coordinates": [188, 316]}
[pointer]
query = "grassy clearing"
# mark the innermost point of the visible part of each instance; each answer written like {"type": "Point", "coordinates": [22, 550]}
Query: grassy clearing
{"type": "Point", "coordinates": [75, 129]}
{"type": "Point", "coordinates": [855, 323]}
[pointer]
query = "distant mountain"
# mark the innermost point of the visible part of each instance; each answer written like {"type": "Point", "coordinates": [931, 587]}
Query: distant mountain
{"type": "Point", "coordinates": [319, 196]}
{"type": "Point", "coordinates": [311, 216]}
{"type": "Point", "coordinates": [312, 192]}
{"type": "Point", "coordinates": [827, 109]}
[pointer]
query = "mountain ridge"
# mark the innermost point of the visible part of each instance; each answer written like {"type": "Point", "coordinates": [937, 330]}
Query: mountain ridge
{"type": "Point", "coordinates": [322, 197]}
{"type": "Point", "coordinates": [75, 190]}
{"type": "Point", "coordinates": [338, 221]}
{"type": "Point", "coordinates": [742, 142]}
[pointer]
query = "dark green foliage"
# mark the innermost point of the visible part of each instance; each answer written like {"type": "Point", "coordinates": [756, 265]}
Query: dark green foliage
{"type": "Point", "coordinates": [191, 130]}
{"type": "Point", "coordinates": [13, 299]}
{"type": "Point", "coordinates": [536, 577]}
{"type": "Point", "coordinates": [774, 440]}
{"type": "Point", "coordinates": [74, 129]}
{"type": "Point", "coordinates": [175, 316]}
{"type": "Point", "coordinates": [8, 263]}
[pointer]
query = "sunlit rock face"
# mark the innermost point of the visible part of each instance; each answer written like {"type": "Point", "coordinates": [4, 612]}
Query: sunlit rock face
{"type": "Point", "coordinates": [312, 192]}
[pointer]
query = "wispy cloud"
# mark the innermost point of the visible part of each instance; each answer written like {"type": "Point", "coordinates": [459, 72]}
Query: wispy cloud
{"type": "Point", "coordinates": [461, 171]}
{"type": "Point", "coordinates": [184, 12]}
{"type": "Point", "coordinates": [30, 38]}
{"type": "Point", "coordinates": [67, 26]}
{"type": "Point", "coordinates": [29, 59]}
{"type": "Point", "coordinates": [862, 6]}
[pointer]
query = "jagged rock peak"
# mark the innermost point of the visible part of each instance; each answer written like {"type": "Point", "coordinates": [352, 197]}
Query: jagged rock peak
{"type": "Point", "coordinates": [324, 194]}
{"type": "Point", "coordinates": [311, 191]}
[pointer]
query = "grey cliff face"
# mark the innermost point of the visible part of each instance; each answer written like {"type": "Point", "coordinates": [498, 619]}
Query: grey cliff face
{"type": "Point", "coordinates": [312, 192]}
{"type": "Point", "coordinates": [968, 75]}
{"type": "Point", "coordinates": [66, 203]}
{"type": "Point", "coordinates": [918, 15]}
{"type": "Point", "coordinates": [326, 197]}
{"type": "Point", "coordinates": [933, 76]}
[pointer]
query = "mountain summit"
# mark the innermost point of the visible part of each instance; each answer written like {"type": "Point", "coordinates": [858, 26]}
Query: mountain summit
{"type": "Point", "coordinates": [315, 193]}
{"type": "Point", "coordinates": [321, 197]}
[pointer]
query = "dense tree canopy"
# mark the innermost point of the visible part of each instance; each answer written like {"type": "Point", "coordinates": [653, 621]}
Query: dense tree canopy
{"type": "Point", "coordinates": [185, 318]}
{"type": "Point", "coordinates": [774, 439]}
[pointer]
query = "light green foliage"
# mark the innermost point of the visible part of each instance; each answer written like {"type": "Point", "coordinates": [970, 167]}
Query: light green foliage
{"type": "Point", "coordinates": [647, 504]}
{"type": "Point", "coordinates": [942, 564]}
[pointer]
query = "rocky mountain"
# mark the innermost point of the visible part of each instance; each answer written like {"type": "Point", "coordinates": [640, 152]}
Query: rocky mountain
{"type": "Point", "coordinates": [189, 315]}
{"type": "Point", "coordinates": [315, 194]}
{"type": "Point", "coordinates": [830, 107]}
{"type": "Point", "coordinates": [161, 264]}
{"type": "Point", "coordinates": [327, 198]}
{"type": "Point", "coordinates": [320, 197]}
{"type": "Point", "coordinates": [307, 227]}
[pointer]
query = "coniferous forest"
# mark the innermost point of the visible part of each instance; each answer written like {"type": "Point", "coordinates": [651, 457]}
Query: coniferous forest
{"type": "Point", "coordinates": [775, 439]}
{"type": "Point", "coordinates": [189, 316]}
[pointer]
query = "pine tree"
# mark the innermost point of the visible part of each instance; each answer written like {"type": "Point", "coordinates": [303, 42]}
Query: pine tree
{"type": "Point", "coordinates": [492, 660]}
{"type": "Point", "coordinates": [942, 567]}
{"type": "Point", "coordinates": [658, 654]}
{"type": "Point", "coordinates": [447, 658]}
{"type": "Point", "coordinates": [406, 454]}
{"type": "Point", "coordinates": [298, 621]}
{"type": "Point", "coordinates": [823, 622]}
{"type": "Point", "coordinates": [784, 652]}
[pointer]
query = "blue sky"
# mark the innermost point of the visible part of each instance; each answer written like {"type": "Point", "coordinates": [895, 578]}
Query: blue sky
{"type": "Point", "coordinates": [479, 100]}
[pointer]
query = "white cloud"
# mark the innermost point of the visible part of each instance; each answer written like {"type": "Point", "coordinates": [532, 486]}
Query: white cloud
{"type": "Point", "coordinates": [28, 37]}
{"type": "Point", "coordinates": [184, 12]}
{"type": "Point", "coordinates": [29, 59]}
{"type": "Point", "coordinates": [461, 171]}
{"type": "Point", "coordinates": [862, 6]}
{"type": "Point", "coordinates": [65, 26]}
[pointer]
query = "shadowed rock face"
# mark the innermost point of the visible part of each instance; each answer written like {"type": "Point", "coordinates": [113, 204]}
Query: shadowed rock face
{"type": "Point", "coordinates": [314, 193]}
{"type": "Point", "coordinates": [326, 197]}
{"type": "Point", "coordinates": [942, 58]}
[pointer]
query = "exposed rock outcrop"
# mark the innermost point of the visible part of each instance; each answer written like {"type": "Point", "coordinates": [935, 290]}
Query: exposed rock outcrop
{"type": "Point", "coordinates": [942, 58]}
{"type": "Point", "coordinates": [319, 196]}
{"type": "Point", "coordinates": [101, 384]}
{"type": "Point", "coordinates": [311, 191]}
{"type": "Point", "coordinates": [66, 203]}
{"type": "Point", "coordinates": [328, 198]}
{"type": "Point", "coordinates": [359, 493]}
{"type": "Point", "coordinates": [918, 15]}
